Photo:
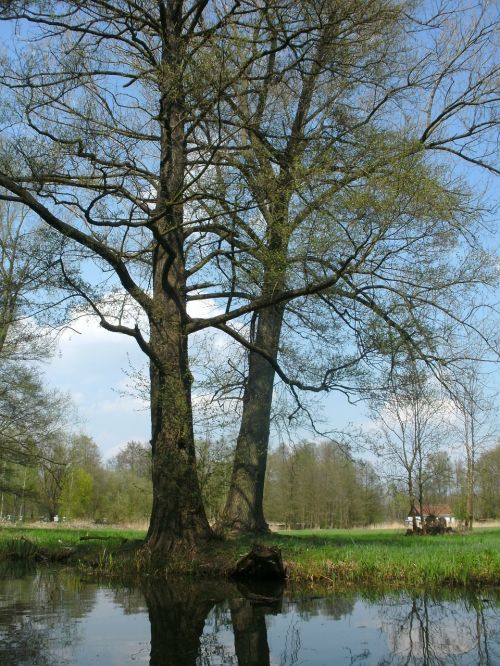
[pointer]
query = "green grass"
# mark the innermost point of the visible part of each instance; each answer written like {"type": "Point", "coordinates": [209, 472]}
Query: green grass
{"type": "Point", "coordinates": [375, 557]}
{"type": "Point", "coordinates": [389, 557]}
{"type": "Point", "coordinates": [332, 557]}
{"type": "Point", "coordinates": [64, 544]}
{"type": "Point", "coordinates": [53, 537]}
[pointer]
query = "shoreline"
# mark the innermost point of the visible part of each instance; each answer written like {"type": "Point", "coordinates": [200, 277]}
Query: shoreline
{"type": "Point", "coordinates": [330, 558]}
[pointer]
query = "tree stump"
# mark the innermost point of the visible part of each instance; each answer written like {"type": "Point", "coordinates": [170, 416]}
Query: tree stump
{"type": "Point", "coordinates": [261, 563]}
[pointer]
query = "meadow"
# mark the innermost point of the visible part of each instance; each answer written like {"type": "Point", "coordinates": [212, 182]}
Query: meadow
{"type": "Point", "coordinates": [378, 558]}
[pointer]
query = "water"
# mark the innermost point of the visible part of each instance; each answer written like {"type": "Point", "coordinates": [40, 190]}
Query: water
{"type": "Point", "coordinates": [51, 617]}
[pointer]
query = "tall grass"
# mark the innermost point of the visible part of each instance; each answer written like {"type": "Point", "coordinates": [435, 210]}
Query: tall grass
{"type": "Point", "coordinates": [387, 557]}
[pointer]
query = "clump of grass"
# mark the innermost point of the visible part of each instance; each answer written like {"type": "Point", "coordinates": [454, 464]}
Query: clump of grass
{"type": "Point", "coordinates": [20, 549]}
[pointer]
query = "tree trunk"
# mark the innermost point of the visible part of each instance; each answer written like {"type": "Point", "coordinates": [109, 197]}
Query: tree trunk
{"type": "Point", "coordinates": [470, 450]}
{"type": "Point", "coordinates": [413, 508]}
{"type": "Point", "coordinates": [261, 563]}
{"type": "Point", "coordinates": [421, 504]}
{"type": "Point", "coordinates": [178, 519]}
{"type": "Point", "coordinates": [244, 511]}
{"type": "Point", "coordinates": [469, 503]}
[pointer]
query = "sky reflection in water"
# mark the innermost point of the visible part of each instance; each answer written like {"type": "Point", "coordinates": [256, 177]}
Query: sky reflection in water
{"type": "Point", "coordinates": [52, 617]}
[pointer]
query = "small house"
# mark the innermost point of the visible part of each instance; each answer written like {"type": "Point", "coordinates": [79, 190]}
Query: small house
{"type": "Point", "coordinates": [439, 511]}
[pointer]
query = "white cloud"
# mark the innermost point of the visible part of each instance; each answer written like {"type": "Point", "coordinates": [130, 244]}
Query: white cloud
{"type": "Point", "coordinates": [90, 366]}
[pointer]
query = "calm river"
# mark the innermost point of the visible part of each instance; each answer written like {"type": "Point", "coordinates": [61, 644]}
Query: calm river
{"type": "Point", "coordinates": [51, 617]}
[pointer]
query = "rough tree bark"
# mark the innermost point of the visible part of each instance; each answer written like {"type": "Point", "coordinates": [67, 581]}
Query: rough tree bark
{"type": "Point", "coordinates": [178, 518]}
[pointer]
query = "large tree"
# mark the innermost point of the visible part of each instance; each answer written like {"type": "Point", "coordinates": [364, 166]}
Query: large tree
{"type": "Point", "coordinates": [335, 173]}
{"type": "Point", "coordinates": [103, 103]}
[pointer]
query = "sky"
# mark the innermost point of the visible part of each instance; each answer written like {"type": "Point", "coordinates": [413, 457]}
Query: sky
{"type": "Point", "coordinates": [90, 365]}
{"type": "Point", "coordinates": [93, 366]}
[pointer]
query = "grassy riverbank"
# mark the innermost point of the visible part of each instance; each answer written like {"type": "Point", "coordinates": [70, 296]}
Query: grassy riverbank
{"type": "Point", "coordinates": [333, 557]}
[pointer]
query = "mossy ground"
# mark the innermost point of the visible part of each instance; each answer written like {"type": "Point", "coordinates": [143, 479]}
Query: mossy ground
{"type": "Point", "coordinates": [376, 558]}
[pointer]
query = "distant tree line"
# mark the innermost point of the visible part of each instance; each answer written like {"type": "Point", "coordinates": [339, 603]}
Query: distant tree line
{"type": "Point", "coordinates": [321, 486]}
{"type": "Point", "coordinates": [308, 485]}
{"type": "Point", "coordinates": [75, 483]}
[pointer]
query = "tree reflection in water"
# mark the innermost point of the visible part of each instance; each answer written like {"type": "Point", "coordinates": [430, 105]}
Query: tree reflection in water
{"type": "Point", "coordinates": [248, 617]}
{"type": "Point", "coordinates": [52, 618]}
{"type": "Point", "coordinates": [178, 612]}
{"type": "Point", "coordinates": [429, 630]}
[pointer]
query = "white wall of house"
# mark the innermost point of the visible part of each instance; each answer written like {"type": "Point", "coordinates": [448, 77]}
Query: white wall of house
{"type": "Point", "coordinates": [451, 521]}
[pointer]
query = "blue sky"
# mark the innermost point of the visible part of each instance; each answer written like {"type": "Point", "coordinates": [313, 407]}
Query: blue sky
{"type": "Point", "coordinates": [91, 365]}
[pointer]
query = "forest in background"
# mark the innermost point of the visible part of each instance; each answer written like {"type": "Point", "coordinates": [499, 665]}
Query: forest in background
{"type": "Point", "coordinates": [308, 485]}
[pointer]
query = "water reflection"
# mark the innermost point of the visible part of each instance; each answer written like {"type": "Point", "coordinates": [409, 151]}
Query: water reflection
{"type": "Point", "coordinates": [248, 619]}
{"type": "Point", "coordinates": [52, 617]}
{"type": "Point", "coordinates": [35, 626]}
{"type": "Point", "coordinates": [177, 613]}
{"type": "Point", "coordinates": [191, 621]}
{"type": "Point", "coordinates": [431, 630]}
